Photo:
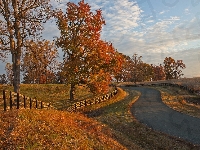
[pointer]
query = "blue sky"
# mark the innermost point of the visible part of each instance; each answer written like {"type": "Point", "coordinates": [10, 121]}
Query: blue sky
{"type": "Point", "coordinates": [154, 29]}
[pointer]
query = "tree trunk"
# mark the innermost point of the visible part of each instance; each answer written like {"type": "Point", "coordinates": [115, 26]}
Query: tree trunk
{"type": "Point", "coordinates": [72, 91]}
{"type": "Point", "coordinates": [16, 72]}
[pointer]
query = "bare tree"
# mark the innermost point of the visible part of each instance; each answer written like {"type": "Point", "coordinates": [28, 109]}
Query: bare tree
{"type": "Point", "coordinates": [20, 20]}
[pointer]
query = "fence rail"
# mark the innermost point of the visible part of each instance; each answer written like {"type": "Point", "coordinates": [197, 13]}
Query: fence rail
{"type": "Point", "coordinates": [11, 100]}
{"type": "Point", "coordinates": [88, 102]}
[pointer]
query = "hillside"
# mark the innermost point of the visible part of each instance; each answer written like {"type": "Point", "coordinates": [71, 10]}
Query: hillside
{"type": "Point", "coordinates": [51, 129]}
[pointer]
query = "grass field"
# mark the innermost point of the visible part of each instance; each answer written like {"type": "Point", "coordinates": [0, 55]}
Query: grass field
{"type": "Point", "coordinates": [190, 82]}
{"type": "Point", "coordinates": [110, 124]}
{"type": "Point", "coordinates": [56, 94]}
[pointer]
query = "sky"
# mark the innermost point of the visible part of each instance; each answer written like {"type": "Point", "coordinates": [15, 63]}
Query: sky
{"type": "Point", "coordinates": [154, 29]}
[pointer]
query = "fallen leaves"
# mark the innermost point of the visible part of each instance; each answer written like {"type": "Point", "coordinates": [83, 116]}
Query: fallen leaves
{"type": "Point", "coordinates": [51, 129]}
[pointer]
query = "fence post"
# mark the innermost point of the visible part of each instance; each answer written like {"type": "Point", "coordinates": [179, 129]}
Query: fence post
{"type": "Point", "coordinates": [36, 103]}
{"type": "Point", "coordinates": [10, 100]}
{"type": "Point", "coordinates": [24, 101]}
{"type": "Point", "coordinates": [4, 99]}
{"type": "Point", "coordinates": [30, 103]}
{"type": "Point", "coordinates": [17, 100]}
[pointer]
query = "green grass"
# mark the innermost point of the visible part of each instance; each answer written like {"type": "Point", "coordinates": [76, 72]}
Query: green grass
{"type": "Point", "coordinates": [56, 94]}
{"type": "Point", "coordinates": [129, 132]}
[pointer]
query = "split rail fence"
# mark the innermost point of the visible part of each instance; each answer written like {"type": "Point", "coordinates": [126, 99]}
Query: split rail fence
{"type": "Point", "coordinates": [88, 102]}
{"type": "Point", "coordinates": [13, 100]}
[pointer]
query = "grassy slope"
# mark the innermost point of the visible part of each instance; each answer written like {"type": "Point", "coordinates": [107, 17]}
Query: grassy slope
{"type": "Point", "coordinates": [51, 129]}
{"type": "Point", "coordinates": [175, 98]}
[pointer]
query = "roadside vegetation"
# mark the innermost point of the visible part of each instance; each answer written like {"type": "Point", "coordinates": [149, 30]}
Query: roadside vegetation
{"type": "Point", "coordinates": [181, 100]}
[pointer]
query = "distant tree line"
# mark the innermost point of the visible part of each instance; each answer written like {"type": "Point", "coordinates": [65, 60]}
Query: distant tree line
{"type": "Point", "coordinates": [45, 69]}
{"type": "Point", "coordinates": [135, 70]}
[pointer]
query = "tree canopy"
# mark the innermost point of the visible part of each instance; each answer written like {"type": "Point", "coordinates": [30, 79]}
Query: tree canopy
{"type": "Point", "coordinates": [87, 57]}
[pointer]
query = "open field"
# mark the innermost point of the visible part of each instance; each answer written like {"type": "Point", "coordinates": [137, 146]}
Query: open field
{"type": "Point", "coordinates": [56, 94]}
{"type": "Point", "coordinates": [193, 83]}
{"type": "Point", "coordinates": [190, 82]}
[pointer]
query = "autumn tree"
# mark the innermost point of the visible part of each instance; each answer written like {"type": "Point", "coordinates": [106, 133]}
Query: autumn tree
{"type": "Point", "coordinates": [147, 72]}
{"type": "Point", "coordinates": [102, 63]}
{"type": "Point", "coordinates": [39, 61]}
{"type": "Point", "coordinates": [159, 72]}
{"type": "Point", "coordinates": [86, 57]}
{"type": "Point", "coordinates": [136, 67]}
{"type": "Point", "coordinates": [124, 74]}
{"type": "Point", "coordinates": [20, 20]}
{"type": "Point", "coordinates": [173, 69]}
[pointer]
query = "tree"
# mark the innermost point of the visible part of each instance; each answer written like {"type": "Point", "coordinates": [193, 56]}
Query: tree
{"type": "Point", "coordinates": [136, 68]}
{"type": "Point", "coordinates": [147, 72]}
{"type": "Point", "coordinates": [20, 20]}
{"type": "Point", "coordinates": [124, 74]}
{"type": "Point", "coordinates": [39, 61]}
{"type": "Point", "coordinates": [87, 58]}
{"type": "Point", "coordinates": [9, 73]}
{"type": "Point", "coordinates": [173, 68]}
{"type": "Point", "coordinates": [159, 72]}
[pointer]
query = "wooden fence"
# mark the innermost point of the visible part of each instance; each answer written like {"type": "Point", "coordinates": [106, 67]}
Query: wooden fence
{"type": "Point", "coordinates": [96, 100]}
{"type": "Point", "coordinates": [15, 100]}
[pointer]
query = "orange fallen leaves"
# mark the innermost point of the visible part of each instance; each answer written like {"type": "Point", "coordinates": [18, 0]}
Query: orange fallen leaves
{"type": "Point", "coordinates": [51, 129]}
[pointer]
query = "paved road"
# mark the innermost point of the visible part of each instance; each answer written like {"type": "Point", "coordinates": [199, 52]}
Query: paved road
{"type": "Point", "coordinates": [150, 110]}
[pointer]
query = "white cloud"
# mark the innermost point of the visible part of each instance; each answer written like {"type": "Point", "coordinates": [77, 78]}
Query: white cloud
{"type": "Point", "coordinates": [162, 12]}
{"type": "Point", "coordinates": [150, 21]}
{"type": "Point", "coordinates": [121, 17]}
{"type": "Point", "coordinates": [187, 11]}
{"type": "Point", "coordinates": [174, 18]}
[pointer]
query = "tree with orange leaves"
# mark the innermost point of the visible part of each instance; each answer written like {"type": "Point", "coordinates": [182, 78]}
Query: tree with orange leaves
{"type": "Point", "coordinates": [86, 57]}
{"type": "Point", "coordinates": [39, 61]}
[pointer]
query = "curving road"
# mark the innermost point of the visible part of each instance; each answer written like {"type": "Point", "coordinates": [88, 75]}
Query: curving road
{"type": "Point", "coordinates": [150, 110]}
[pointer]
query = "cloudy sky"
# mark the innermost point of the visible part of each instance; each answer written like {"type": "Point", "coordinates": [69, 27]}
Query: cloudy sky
{"type": "Point", "coordinates": [154, 29]}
